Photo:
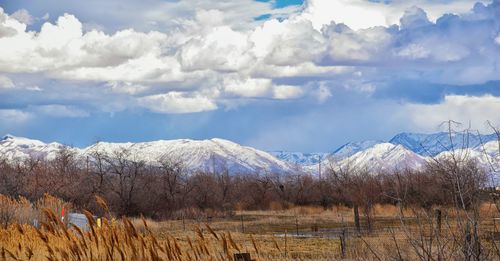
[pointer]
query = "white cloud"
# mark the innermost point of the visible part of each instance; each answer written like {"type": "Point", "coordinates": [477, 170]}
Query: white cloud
{"type": "Point", "coordinates": [177, 102]}
{"type": "Point", "coordinates": [238, 14]}
{"type": "Point", "coordinates": [11, 116]}
{"type": "Point", "coordinates": [322, 93]}
{"type": "Point", "coordinates": [464, 109]}
{"type": "Point", "coordinates": [364, 45]}
{"type": "Point", "coordinates": [6, 25]}
{"type": "Point", "coordinates": [284, 92]}
{"type": "Point", "coordinates": [128, 87]}
{"type": "Point", "coordinates": [208, 54]}
{"type": "Point", "coordinates": [413, 18]}
{"type": "Point", "coordinates": [363, 14]}
{"type": "Point", "coordinates": [219, 48]}
{"type": "Point", "coordinates": [260, 88]}
{"type": "Point", "coordinates": [23, 16]}
{"type": "Point", "coordinates": [497, 40]}
{"type": "Point", "coordinates": [357, 14]}
{"type": "Point", "coordinates": [248, 88]}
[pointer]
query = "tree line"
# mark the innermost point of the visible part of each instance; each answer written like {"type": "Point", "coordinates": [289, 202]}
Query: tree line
{"type": "Point", "coordinates": [167, 189]}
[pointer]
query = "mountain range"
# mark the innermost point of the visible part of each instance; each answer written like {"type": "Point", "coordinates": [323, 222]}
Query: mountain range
{"type": "Point", "coordinates": [405, 150]}
{"type": "Point", "coordinates": [203, 155]}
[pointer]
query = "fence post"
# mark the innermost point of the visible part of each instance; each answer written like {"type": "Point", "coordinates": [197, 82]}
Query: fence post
{"type": "Point", "coordinates": [242, 225]}
{"type": "Point", "coordinates": [297, 225]}
{"type": "Point", "coordinates": [183, 223]}
{"type": "Point", "coordinates": [242, 257]}
{"type": "Point", "coordinates": [477, 243]}
{"type": "Point", "coordinates": [343, 244]}
{"type": "Point", "coordinates": [356, 218]}
{"type": "Point", "coordinates": [467, 245]}
{"type": "Point", "coordinates": [438, 220]}
{"type": "Point", "coordinates": [286, 245]}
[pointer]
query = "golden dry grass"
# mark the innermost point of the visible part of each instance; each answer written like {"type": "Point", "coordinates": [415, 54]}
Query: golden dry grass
{"type": "Point", "coordinates": [268, 235]}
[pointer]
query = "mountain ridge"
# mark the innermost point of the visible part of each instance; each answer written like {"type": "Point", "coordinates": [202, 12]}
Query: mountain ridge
{"type": "Point", "coordinates": [213, 155]}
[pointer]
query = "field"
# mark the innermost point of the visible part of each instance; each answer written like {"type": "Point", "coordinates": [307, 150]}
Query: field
{"type": "Point", "coordinates": [296, 233]}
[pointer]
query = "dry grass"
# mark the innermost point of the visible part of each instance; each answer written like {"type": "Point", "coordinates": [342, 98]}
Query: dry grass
{"type": "Point", "coordinates": [124, 241]}
{"type": "Point", "coordinates": [269, 235]}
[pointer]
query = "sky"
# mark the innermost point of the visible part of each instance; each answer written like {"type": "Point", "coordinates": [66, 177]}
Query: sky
{"type": "Point", "coordinates": [276, 75]}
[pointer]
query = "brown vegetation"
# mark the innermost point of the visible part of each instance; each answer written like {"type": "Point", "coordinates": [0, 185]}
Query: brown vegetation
{"type": "Point", "coordinates": [443, 212]}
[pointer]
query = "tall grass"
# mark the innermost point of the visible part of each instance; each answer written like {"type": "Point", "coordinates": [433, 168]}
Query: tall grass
{"type": "Point", "coordinates": [145, 239]}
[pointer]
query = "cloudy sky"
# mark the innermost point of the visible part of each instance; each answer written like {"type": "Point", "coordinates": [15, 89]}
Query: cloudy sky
{"type": "Point", "coordinates": [286, 74]}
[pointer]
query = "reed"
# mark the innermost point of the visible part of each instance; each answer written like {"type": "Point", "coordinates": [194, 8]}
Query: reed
{"type": "Point", "coordinates": [144, 239]}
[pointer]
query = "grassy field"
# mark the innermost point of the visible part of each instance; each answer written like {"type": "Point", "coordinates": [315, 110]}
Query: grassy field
{"type": "Point", "coordinates": [298, 233]}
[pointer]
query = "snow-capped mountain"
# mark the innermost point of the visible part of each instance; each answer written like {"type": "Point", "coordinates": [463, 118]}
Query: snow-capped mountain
{"type": "Point", "coordinates": [12, 147]}
{"type": "Point", "coordinates": [488, 162]}
{"type": "Point", "coordinates": [219, 155]}
{"type": "Point", "coordinates": [481, 158]}
{"type": "Point", "coordinates": [205, 155]}
{"type": "Point", "coordinates": [352, 148]}
{"type": "Point", "coordinates": [421, 144]}
{"type": "Point", "coordinates": [305, 159]}
{"type": "Point", "coordinates": [433, 144]}
{"type": "Point", "coordinates": [491, 148]}
{"type": "Point", "coordinates": [300, 158]}
{"type": "Point", "coordinates": [384, 157]}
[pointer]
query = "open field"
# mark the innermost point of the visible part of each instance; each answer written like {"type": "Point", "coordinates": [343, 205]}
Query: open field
{"type": "Point", "coordinates": [298, 233]}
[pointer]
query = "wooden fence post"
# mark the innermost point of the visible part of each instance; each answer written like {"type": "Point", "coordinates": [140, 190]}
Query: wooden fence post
{"type": "Point", "coordinates": [286, 245]}
{"type": "Point", "coordinates": [467, 245]}
{"type": "Point", "coordinates": [183, 223]}
{"type": "Point", "coordinates": [297, 225]}
{"type": "Point", "coordinates": [356, 218]}
{"type": "Point", "coordinates": [476, 248]}
{"type": "Point", "coordinates": [242, 257]}
{"type": "Point", "coordinates": [438, 220]}
{"type": "Point", "coordinates": [343, 244]}
{"type": "Point", "coordinates": [242, 225]}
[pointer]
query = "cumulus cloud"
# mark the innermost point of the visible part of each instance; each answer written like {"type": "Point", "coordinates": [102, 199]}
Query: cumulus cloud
{"type": "Point", "coordinates": [177, 102]}
{"type": "Point", "coordinates": [23, 16]}
{"type": "Point", "coordinates": [363, 14]}
{"type": "Point", "coordinates": [285, 92]}
{"type": "Point", "coordinates": [474, 109]}
{"type": "Point", "coordinates": [414, 17]}
{"type": "Point", "coordinates": [6, 25]}
{"type": "Point", "coordinates": [210, 56]}
{"type": "Point", "coordinates": [14, 116]}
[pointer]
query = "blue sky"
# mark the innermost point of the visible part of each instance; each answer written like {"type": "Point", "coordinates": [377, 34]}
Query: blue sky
{"type": "Point", "coordinates": [276, 75]}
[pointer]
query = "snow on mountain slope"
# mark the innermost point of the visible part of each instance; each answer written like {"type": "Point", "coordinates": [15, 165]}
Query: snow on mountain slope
{"type": "Point", "coordinates": [306, 159]}
{"type": "Point", "coordinates": [205, 155]}
{"type": "Point", "coordinates": [484, 160]}
{"type": "Point", "coordinates": [422, 144]}
{"type": "Point", "coordinates": [300, 158]}
{"type": "Point", "coordinates": [384, 157]}
{"type": "Point", "coordinates": [219, 154]}
{"type": "Point", "coordinates": [352, 148]}
{"type": "Point", "coordinates": [491, 148]}
{"type": "Point", "coordinates": [490, 163]}
{"type": "Point", "coordinates": [12, 147]}
{"type": "Point", "coordinates": [433, 144]}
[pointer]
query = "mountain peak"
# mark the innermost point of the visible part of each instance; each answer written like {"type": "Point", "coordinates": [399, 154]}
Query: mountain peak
{"type": "Point", "coordinates": [8, 137]}
{"type": "Point", "coordinates": [433, 144]}
{"type": "Point", "coordinates": [352, 148]}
